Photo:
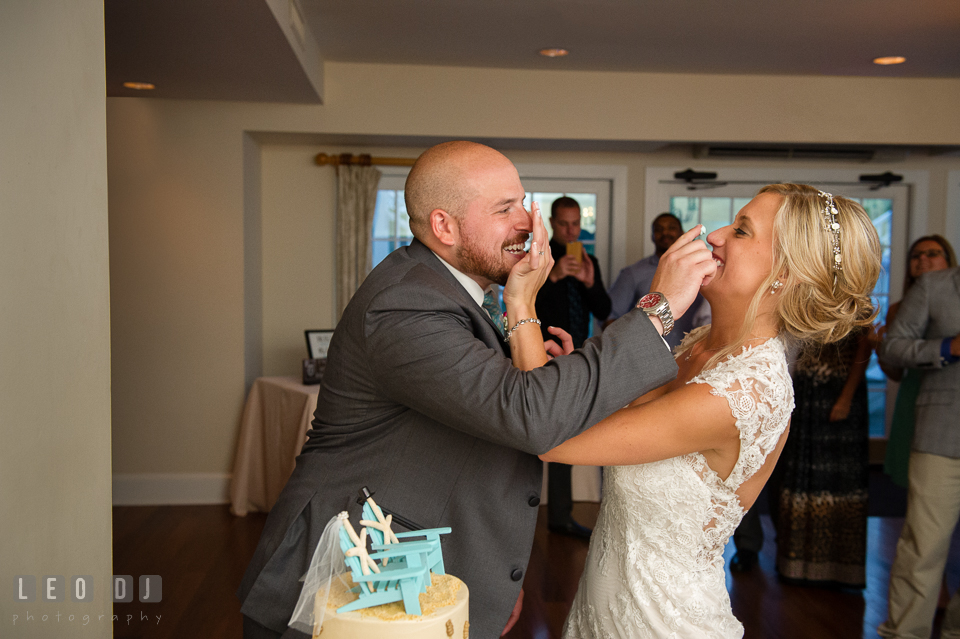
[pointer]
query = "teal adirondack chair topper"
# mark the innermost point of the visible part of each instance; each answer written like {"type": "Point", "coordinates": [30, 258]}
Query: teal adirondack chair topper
{"type": "Point", "coordinates": [406, 561]}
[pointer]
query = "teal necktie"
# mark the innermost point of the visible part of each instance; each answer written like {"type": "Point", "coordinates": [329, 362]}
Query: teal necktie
{"type": "Point", "coordinates": [492, 306]}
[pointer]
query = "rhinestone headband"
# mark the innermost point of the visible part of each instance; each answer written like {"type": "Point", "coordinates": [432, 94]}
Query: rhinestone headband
{"type": "Point", "coordinates": [831, 224]}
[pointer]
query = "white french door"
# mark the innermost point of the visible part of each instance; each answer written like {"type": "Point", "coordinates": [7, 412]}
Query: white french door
{"type": "Point", "coordinates": [594, 199]}
{"type": "Point", "coordinates": [391, 226]}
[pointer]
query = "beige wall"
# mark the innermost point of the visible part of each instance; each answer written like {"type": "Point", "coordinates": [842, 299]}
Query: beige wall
{"type": "Point", "coordinates": [54, 312]}
{"type": "Point", "coordinates": [398, 99]}
{"type": "Point", "coordinates": [177, 209]}
{"type": "Point", "coordinates": [176, 278]}
{"type": "Point", "coordinates": [299, 256]}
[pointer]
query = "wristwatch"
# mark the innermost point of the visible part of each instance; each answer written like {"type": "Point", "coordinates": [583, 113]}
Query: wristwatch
{"type": "Point", "coordinates": [656, 304]}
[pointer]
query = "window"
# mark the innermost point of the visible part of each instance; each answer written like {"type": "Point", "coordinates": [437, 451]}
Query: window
{"type": "Point", "coordinates": [588, 214]}
{"type": "Point", "coordinates": [391, 224]}
{"type": "Point", "coordinates": [712, 212]}
{"type": "Point", "coordinates": [880, 211]}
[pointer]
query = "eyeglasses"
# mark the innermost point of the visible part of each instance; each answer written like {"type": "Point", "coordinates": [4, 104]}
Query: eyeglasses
{"type": "Point", "coordinates": [931, 254]}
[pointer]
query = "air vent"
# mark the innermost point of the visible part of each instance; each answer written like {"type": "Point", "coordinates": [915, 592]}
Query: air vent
{"type": "Point", "coordinates": [785, 152]}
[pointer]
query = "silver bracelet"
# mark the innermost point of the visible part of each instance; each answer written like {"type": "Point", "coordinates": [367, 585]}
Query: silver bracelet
{"type": "Point", "coordinates": [528, 320]}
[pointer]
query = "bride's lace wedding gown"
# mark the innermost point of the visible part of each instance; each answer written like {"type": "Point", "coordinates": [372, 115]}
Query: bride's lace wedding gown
{"type": "Point", "coordinates": [655, 564]}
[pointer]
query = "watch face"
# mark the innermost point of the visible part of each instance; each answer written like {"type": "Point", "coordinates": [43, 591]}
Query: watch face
{"type": "Point", "coordinates": [649, 300]}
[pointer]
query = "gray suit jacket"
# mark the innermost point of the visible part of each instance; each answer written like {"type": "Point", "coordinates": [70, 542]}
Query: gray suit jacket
{"type": "Point", "coordinates": [421, 403]}
{"type": "Point", "coordinates": [929, 313]}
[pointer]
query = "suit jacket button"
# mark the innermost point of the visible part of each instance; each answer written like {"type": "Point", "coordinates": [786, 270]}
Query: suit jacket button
{"type": "Point", "coordinates": [517, 574]}
{"type": "Point", "coordinates": [534, 501]}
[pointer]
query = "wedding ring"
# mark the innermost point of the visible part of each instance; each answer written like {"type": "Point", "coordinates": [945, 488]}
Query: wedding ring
{"type": "Point", "coordinates": [541, 253]}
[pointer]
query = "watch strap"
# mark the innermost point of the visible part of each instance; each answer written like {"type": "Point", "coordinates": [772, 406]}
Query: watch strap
{"type": "Point", "coordinates": [661, 309]}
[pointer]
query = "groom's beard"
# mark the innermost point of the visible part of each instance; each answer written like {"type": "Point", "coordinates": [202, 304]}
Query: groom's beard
{"type": "Point", "coordinates": [473, 260]}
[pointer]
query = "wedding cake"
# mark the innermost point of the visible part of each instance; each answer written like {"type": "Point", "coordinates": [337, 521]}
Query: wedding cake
{"type": "Point", "coordinates": [444, 606]}
{"type": "Point", "coordinates": [378, 584]}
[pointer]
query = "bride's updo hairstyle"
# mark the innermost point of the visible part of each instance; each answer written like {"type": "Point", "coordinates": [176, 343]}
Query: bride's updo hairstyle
{"type": "Point", "coordinates": [828, 261]}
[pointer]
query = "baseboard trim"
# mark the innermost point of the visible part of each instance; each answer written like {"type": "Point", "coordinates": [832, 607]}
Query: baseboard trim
{"type": "Point", "coordinates": [170, 489]}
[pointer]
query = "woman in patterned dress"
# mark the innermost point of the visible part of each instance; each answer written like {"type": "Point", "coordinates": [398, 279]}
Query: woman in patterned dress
{"type": "Point", "coordinates": [822, 515]}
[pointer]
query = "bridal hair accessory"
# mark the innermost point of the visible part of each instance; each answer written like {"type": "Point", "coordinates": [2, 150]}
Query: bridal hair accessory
{"type": "Point", "coordinates": [831, 224]}
{"type": "Point", "coordinates": [776, 285]}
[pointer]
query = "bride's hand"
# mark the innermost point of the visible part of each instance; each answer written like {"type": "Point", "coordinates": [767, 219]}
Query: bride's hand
{"type": "Point", "coordinates": [529, 274]}
{"type": "Point", "coordinates": [565, 347]}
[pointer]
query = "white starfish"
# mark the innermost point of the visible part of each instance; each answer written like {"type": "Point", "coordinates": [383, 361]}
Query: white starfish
{"type": "Point", "coordinates": [383, 527]}
{"type": "Point", "coordinates": [360, 549]}
{"type": "Point", "coordinates": [382, 524]}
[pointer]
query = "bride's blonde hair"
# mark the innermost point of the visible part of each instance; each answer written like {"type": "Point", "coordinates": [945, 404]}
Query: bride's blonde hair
{"type": "Point", "coordinates": [816, 302]}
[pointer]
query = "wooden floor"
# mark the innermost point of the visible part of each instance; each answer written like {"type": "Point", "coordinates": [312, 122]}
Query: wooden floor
{"type": "Point", "coordinates": [200, 552]}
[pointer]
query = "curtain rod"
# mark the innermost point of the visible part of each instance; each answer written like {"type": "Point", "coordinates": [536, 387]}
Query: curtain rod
{"type": "Point", "coordinates": [363, 160]}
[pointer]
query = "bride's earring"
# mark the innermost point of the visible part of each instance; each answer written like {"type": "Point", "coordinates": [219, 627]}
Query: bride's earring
{"type": "Point", "coordinates": [776, 285]}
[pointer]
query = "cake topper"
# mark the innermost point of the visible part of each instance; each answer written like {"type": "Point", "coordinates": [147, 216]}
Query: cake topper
{"type": "Point", "coordinates": [407, 560]}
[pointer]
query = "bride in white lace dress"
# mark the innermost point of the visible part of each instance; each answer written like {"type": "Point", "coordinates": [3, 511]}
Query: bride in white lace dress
{"type": "Point", "coordinates": [686, 461]}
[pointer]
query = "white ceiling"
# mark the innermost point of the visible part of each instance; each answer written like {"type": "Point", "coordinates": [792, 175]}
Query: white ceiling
{"type": "Point", "coordinates": [202, 50]}
{"type": "Point", "coordinates": [235, 50]}
{"type": "Point", "coordinates": [808, 37]}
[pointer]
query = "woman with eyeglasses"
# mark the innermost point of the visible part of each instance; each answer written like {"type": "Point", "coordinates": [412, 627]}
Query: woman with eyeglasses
{"type": "Point", "coordinates": [928, 254]}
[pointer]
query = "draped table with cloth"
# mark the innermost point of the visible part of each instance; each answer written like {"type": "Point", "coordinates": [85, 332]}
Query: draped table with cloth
{"type": "Point", "coordinates": [273, 428]}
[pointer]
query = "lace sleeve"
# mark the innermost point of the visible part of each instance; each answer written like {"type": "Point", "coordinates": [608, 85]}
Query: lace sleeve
{"type": "Point", "coordinates": [757, 387]}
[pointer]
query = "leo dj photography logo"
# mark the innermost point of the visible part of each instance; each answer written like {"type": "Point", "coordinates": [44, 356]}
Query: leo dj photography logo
{"type": "Point", "coordinates": [52, 589]}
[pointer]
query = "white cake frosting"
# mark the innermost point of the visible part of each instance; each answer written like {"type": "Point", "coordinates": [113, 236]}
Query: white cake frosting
{"type": "Point", "coordinates": [445, 608]}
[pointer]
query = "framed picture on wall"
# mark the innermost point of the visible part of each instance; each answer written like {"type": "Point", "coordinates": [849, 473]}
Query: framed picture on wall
{"type": "Point", "coordinates": [317, 343]}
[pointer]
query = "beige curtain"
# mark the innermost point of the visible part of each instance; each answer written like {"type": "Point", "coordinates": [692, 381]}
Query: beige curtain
{"type": "Point", "coordinates": [356, 201]}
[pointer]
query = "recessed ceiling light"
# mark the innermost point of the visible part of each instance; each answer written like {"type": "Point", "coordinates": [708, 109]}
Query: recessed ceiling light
{"type": "Point", "coordinates": [140, 86]}
{"type": "Point", "coordinates": [890, 59]}
{"type": "Point", "coordinates": [554, 53]}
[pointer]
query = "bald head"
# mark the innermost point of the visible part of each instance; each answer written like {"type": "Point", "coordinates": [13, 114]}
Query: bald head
{"type": "Point", "coordinates": [442, 178]}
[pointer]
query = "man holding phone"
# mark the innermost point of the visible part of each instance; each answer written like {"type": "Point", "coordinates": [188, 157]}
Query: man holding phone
{"type": "Point", "coordinates": [573, 291]}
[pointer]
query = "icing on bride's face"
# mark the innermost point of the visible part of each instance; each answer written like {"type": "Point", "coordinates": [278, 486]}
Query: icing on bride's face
{"type": "Point", "coordinates": [743, 252]}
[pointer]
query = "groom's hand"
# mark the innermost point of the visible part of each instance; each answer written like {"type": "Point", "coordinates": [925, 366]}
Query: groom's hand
{"type": "Point", "coordinates": [514, 615]}
{"type": "Point", "coordinates": [682, 270]}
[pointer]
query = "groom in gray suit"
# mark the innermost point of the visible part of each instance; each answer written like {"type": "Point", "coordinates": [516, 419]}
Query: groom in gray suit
{"type": "Point", "coordinates": [420, 401]}
{"type": "Point", "coordinates": [926, 335]}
